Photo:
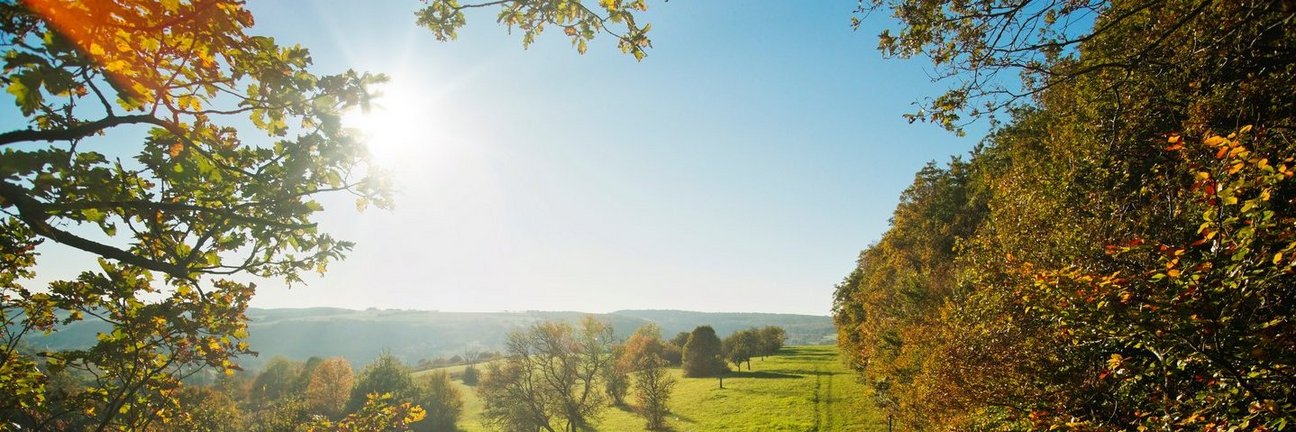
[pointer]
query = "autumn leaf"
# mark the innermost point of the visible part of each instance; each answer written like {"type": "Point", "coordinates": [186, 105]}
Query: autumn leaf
{"type": "Point", "coordinates": [175, 148]}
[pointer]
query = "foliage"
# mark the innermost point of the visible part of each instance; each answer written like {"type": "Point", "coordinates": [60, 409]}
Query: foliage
{"type": "Point", "coordinates": [549, 377]}
{"type": "Point", "coordinates": [643, 357]}
{"type": "Point", "coordinates": [653, 386]}
{"type": "Point", "coordinates": [644, 343]}
{"type": "Point", "coordinates": [441, 400]}
{"type": "Point", "coordinates": [578, 22]}
{"type": "Point", "coordinates": [328, 387]}
{"type": "Point", "coordinates": [194, 199]}
{"type": "Point", "coordinates": [770, 340]}
{"type": "Point", "coordinates": [386, 375]}
{"type": "Point", "coordinates": [279, 379]}
{"type": "Point", "coordinates": [1001, 54]}
{"type": "Point", "coordinates": [740, 347]}
{"type": "Point", "coordinates": [1115, 258]}
{"type": "Point", "coordinates": [287, 414]}
{"type": "Point", "coordinates": [702, 354]}
{"type": "Point", "coordinates": [680, 339]}
{"type": "Point", "coordinates": [616, 378]}
{"type": "Point", "coordinates": [380, 413]}
{"type": "Point", "coordinates": [208, 410]}
{"type": "Point", "coordinates": [471, 375]}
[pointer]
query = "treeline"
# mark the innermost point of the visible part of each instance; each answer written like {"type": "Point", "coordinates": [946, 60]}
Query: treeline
{"type": "Point", "coordinates": [551, 376]}
{"type": "Point", "coordinates": [1117, 256]}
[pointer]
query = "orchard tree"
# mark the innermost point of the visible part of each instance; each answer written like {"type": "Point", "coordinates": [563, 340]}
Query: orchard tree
{"type": "Point", "coordinates": [770, 340]}
{"type": "Point", "coordinates": [642, 358]}
{"type": "Point", "coordinates": [702, 354]}
{"type": "Point", "coordinates": [548, 379]}
{"type": "Point", "coordinates": [645, 342]}
{"type": "Point", "coordinates": [653, 387]}
{"type": "Point", "coordinates": [740, 347]}
{"type": "Point", "coordinates": [616, 377]}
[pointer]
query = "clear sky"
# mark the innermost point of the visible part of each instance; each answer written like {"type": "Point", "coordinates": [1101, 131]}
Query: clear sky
{"type": "Point", "coordinates": [740, 167]}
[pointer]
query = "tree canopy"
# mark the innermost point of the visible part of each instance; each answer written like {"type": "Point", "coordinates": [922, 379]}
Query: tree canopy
{"type": "Point", "coordinates": [549, 379]}
{"type": "Point", "coordinates": [129, 154]}
{"type": "Point", "coordinates": [702, 354]}
{"type": "Point", "coordinates": [1110, 257]}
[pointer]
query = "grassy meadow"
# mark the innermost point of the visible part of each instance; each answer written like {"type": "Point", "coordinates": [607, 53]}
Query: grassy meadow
{"type": "Point", "coordinates": [804, 388]}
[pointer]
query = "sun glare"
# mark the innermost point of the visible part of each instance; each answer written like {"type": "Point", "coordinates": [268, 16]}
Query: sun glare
{"type": "Point", "coordinates": [395, 122]}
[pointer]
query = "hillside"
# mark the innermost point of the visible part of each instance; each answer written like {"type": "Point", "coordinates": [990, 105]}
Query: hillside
{"type": "Point", "coordinates": [360, 335]}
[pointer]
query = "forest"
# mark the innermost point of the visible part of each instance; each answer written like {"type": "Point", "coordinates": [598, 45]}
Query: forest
{"type": "Point", "coordinates": [1117, 252]}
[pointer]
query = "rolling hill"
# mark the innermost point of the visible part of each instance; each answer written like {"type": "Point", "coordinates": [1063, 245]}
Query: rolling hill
{"type": "Point", "coordinates": [411, 335]}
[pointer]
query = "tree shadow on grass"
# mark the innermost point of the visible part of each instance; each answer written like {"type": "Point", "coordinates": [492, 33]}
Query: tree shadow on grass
{"type": "Point", "coordinates": [800, 372]}
{"type": "Point", "coordinates": [760, 375]}
{"type": "Point", "coordinates": [804, 355]}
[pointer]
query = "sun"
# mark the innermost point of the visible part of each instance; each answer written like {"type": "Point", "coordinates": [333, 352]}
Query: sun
{"type": "Point", "coordinates": [397, 119]}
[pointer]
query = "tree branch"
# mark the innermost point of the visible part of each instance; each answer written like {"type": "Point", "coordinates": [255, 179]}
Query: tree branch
{"type": "Point", "coordinates": [79, 131]}
{"type": "Point", "coordinates": [29, 211]}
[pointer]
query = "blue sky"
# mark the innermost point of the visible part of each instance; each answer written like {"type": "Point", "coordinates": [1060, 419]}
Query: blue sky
{"type": "Point", "coordinates": [740, 167]}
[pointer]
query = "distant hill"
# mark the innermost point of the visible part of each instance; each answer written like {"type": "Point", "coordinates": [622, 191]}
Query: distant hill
{"type": "Point", "coordinates": [360, 335]}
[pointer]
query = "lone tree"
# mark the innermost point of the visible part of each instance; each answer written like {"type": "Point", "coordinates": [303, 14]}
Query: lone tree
{"type": "Point", "coordinates": [702, 354]}
{"type": "Point", "coordinates": [549, 379]}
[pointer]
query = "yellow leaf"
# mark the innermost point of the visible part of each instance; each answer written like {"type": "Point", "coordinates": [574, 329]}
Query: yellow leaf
{"type": "Point", "coordinates": [175, 149]}
{"type": "Point", "coordinates": [1216, 141]}
{"type": "Point", "coordinates": [1245, 129]}
{"type": "Point", "coordinates": [117, 65]}
{"type": "Point", "coordinates": [1115, 361]}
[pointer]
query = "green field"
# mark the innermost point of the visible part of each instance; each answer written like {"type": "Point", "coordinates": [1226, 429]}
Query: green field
{"type": "Point", "coordinates": [804, 388]}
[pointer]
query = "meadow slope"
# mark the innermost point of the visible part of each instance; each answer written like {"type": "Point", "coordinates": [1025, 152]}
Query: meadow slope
{"type": "Point", "coordinates": [804, 388]}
